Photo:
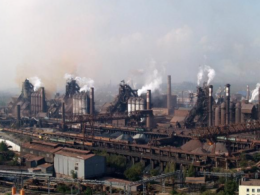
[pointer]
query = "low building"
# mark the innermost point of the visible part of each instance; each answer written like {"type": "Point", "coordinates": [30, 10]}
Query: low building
{"type": "Point", "coordinates": [31, 160]}
{"type": "Point", "coordinates": [40, 148]}
{"type": "Point", "coordinates": [46, 168]}
{"type": "Point", "coordinates": [250, 187]}
{"type": "Point", "coordinates": [79, 162]}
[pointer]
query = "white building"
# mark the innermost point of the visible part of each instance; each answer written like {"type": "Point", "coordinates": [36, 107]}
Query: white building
{"type": "Point", "coordinates": [251, 187]}
{"type": "Point", "coordinates": [81, 162]}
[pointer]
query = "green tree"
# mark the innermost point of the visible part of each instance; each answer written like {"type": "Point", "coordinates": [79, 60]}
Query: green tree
{"type": "Point", "coordinates": [191, 171]}
{"type": "Point", "coordinates": [230, 187]}
{"type": "Point", "coordinates": [62, 188]}
{"type": "Point", "coordinates": [88, 191]}
{"type": "Point", "coordinates": [3, 147]}
{"type": "Point", "coordinates": [154, 172]}
{"type": "Point", "coordinates": [170, 167]}
{"type": "Point", "coordinates": [74, 174]}
{"type": "Point", "coordinates": [135, 172]}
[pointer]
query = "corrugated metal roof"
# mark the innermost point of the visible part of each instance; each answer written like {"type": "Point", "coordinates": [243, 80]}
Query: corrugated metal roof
{"type": "Point", "coordinates": [31, 157]}
{"type": "Point", "coordinates": [75, 155]}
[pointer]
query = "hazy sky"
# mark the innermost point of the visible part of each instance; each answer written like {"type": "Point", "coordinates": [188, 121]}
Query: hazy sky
{"type": "Point", "coordinates": [114, 39]}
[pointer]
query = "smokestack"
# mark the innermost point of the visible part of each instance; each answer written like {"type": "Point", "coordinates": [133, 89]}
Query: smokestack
{"type": "Point", "coordinates": [238, 113]}
{"type": "Point", "coordinates": [248, 93]}
{"type": "Point", "coordinates": [232, 112]}
{"type": "Point", "coordinates": [92, 102]}
{"type": "Point", "coordinates": [18, 114]}
{"type": "Point", "coordinates": [210, 105]}
{"type": "Point", "coordinates": [148, 107]}
{"type": "Point", "coordinates": [259, 103]}
{"type": "Point", "coordinates": [169, 94]}
{"type": "Point", "coordinates": [227, 104]}
{"type": "Point", "coordinates": [217, 115]}
{"type": "Point", "coordinates": [223, 113]}
{"type": "Point", "coordinates": [42, 100]}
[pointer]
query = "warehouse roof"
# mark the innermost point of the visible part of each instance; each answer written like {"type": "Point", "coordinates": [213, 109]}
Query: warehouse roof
{"type": "Point", "coordinates": [31, 157]}
{"type": "Point", "coordinates": [251, 182]}
{"type": "Point", "coordinates": [75, 154]}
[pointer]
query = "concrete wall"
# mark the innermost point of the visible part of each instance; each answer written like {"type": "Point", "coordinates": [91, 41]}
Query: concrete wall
{"type": "Point", "coordinates": [89, 168]}
{"type": "Point", "coordinates": [250, 190]}
{"type": "Point", "coordinates": [63, 165]}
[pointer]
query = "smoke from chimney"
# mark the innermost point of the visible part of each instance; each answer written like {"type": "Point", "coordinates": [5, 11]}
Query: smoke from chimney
{"type": "Point", "coordinates": [255, 93]}
{"type": "Point", "coordinates": [205, 71]}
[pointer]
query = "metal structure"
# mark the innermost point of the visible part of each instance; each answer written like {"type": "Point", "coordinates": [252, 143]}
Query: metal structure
{"type": "Point", "coordinates": [200, 110]}
{"type": "Point", "coordinates": [119, 104]}
{"type": "Point", "coordinates": [127, 188]}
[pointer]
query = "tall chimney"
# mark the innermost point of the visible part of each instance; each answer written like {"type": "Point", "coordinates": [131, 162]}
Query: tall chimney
{"type": "Point", "coordinates": [42, 100]}
{"type": "Point", "coordinates": [210, 105]}
{"type": "Point", "coordinates": [169, 95]}
{"type": "Point", "coordinates": [92, 102]}
{"type": "Point", "coordinates": [18, 115]}
{"type": "Point", "coordinates": [227, 104]}
{"type": "Point", "coordinates": [259, 103]}
{"type": "Point", "coordinates": [148, 107]}
{"type": "Point", "coordinates": [248, 92]}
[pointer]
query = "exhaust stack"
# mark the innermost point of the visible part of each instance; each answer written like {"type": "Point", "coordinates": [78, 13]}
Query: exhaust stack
{"type": "Point", "coordinates": [259, 103]}
{"type": "Point", "coordinates": [247, 93]}
{"type": "Point", "coordinates": [148, 107]}
{"type": "Point", "coordinates": [169, 95]}
{"type": "Point", "coordinates": [227, 104]}
{"type": "Point", "coordinates": [210, 105]}
{"type": "Point", "coordinates": [92, 102]}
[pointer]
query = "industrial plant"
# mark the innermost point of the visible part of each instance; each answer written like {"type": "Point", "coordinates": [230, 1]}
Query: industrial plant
{"type": "Point", "coordinates": [68, 135]}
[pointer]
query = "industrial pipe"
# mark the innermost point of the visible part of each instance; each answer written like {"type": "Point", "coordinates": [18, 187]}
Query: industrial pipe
{"type": "Point", "coordinates": [148, 107]}
{"type": "Point", "coordinates": [210, 106]}
{"type": "Point", "coordinates": [227, 104]}
{"type": "Point", "coordinates": [248, 93]}
{"type": "Point", "coordinates": [169, 94]}
{"type": "Point", "coordinates": [92, 103]}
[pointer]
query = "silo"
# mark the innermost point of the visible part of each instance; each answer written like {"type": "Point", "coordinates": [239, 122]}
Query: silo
{"type": "Point", "coordinates": [217, 116]}
{"type": "Point", "coordinates": [133, 104]}
{"type": "Point", "coordinates": [137, 104]}
{"type": "Point", "coordinates": [129, 106]}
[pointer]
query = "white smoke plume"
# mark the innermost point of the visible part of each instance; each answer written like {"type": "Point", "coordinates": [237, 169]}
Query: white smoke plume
{"type": "Point", "coordinates": [84, 83]}
{"type": "Point", "coordinates": [68, 77]}
{"type": "Point", "coordinates": [36, 81]}
{"type": "Point", "coordinates": [255, 93]}
{"type": "Point", "coordinates": [154, 83]}
{"type": "Point", "coordinates": [205, 71]}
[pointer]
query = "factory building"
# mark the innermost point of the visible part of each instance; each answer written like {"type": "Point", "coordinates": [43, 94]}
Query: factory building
{"type": "Point", "coordinates": [43, 149]}
{"type": "Point", "coordinates": [84, 164]}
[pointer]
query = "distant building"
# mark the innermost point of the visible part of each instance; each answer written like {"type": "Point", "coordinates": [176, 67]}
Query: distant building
{"type": "Point", "coordinates": [250, 187]}
{"type": "Point", "coordinates": [81, 162]}
{"type": "Point", "coordinates": [39, 148]}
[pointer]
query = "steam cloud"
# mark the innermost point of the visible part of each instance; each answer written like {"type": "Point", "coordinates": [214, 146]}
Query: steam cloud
{"type": "Point", "coordinates": [84, 83]}
{"type": "Point", "coordinates": [255, 93]}
{"type": "Point", "coordinates": [155, 82]}
{"type": "Point", "coordinates": [210, 73]}
{"type": "Point", "coordinates": [36, 81]}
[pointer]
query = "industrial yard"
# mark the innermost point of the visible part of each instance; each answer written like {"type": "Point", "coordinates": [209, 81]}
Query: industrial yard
{"type": "Point", "coordinates": [129, 97]}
